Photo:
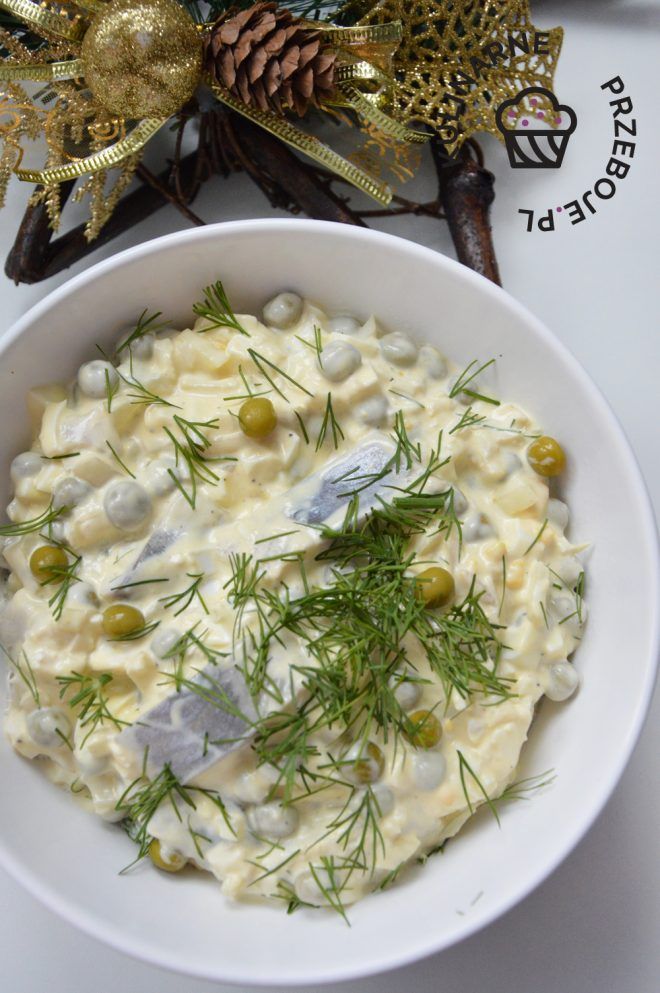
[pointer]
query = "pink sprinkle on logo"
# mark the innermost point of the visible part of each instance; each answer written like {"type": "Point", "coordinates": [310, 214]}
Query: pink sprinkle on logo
{"type": "Point", "coordinates": [539, 113]}
{"type": "Point", "coordinates": [525, 122]}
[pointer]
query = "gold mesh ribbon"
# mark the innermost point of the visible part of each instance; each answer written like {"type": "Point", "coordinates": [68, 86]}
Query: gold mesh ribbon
{"type": "Point", "coordinates": [39, 17]}
{"type": "Point", "coordinates": [48, 72]}
{"type": "Point", "coordinates": [309, 145]}
{"type": "Point", "coordinates": [445, 74]}
{"type": "Point", "coordinates": [105, 159]}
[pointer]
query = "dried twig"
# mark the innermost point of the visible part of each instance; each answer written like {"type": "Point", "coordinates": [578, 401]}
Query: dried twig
{"type": "Point", "coordinates": [228, 142]}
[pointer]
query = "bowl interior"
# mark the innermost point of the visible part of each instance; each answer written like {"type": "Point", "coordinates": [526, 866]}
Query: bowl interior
{"type": "Point", "coordinates": [71, 860]}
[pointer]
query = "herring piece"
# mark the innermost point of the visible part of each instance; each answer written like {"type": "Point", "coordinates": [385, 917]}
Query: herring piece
{"type": "Point", "coordinates": [190, 731]}
{"type": "Point", "coordinates": [362, 472]}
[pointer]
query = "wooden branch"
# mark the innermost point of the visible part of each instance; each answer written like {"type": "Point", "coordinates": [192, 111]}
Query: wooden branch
{"type": "Point", "coordinates": [466, 193]}
{"type": "Point", "coordinates": [36, 255]}
{"type": "Point", "coordinates": [292, 176]}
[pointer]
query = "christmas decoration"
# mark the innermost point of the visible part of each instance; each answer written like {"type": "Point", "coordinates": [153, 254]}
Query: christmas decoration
{"type": "Point", "coordinates": [270, 60]}
{"type": "Point", "coordinates": [256, 80]}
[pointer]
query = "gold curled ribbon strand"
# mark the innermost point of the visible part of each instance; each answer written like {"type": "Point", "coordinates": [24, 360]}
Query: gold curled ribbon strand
{"type": "Point", "coordinates": [308, 145]}
{"type": "Point", "coordinates": [363, 106]}
{"type": "Point", "coordinates": [390, 33]}
{"type": "Point", "coordinates": [46, 72]}
{"type": "Point", "coordinates": [105, 159]}
{"type": "Point", "coordinates": [37, 16]}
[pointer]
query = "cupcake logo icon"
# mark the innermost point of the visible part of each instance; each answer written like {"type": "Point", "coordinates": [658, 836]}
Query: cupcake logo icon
{"type": "Point", "coordinates": [536, 128]}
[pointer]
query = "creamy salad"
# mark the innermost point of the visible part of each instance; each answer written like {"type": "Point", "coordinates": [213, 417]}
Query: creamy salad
{"type": "Point", "coordinates": [283, 594]}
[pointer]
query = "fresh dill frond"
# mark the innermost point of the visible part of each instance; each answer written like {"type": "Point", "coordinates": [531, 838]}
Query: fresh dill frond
{"type": "Point", "coordinates": [263, 365]}
{"type": "Point", "coordinates": [522, 789]}
{"type": "Point", "coordinates": [249, 390]}
{"type": "Point", "coordinates": [145, 324]}
{"type": "Point", "coordinates": [138, 582]}
{"type": "Point", "coordinates": [468, 376]}
{"type": "Point", "coordinates": [138, 633]}
{"type": "Point", "coordinates": [436, 850]}
{"type": "Point", "coordinates": [286, 892]}
{"type": "Point", "coordinates": [189, 449]}
{"type": "Point", "coordinates": [537, 538]}
{"type": "Point", "coordinates": [190, 640]}
{"type": "Point", "coordinates": [60, 458]}
{"type": "Point", "coordinates": [405, 396]}
{"type": "Point", "coordinates": [111, 390]}
{"type": "Point", "coordinates": [89, 695]}
{"type": "Point", "coordinates": [117, 459]}
{"type": "Point", "coordinates": [330, 423]}
{"type": "Point", "coordinates": [216, 309]}
{"type": "Point", "coordinates": [25, 673]}
{"type": "Point", "coordinates": [468, 420]}
{"type": "Point", "coordinates": [142, 798]}
{"type": "Point", "coordinates": [183, 599]}
{"type": "Point", "coordinates": [499, 612]}
{"type": "Point", "coordinates": [302, 426]}
{"type": "Point", "coordinates": [316, 345]}
{"type": "Point", "coordinates": [35, 524]}
{"type": "Point", "coordinates": [464, 769]}
{"type": "Point", "coordinates": [141, 394]}
{"type": "Point", "coordinates": [64, 578]}
{"type": "Point", "coordinates": [407, 453]}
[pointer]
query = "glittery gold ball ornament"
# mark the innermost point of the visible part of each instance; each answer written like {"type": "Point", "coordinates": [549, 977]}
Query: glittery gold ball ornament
{"type": "Point", "coordinates": [142, 58]}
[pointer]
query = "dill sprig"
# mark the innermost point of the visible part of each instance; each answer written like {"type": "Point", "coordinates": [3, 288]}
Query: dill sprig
{"type": "Point", "coordinates": [537, 538]}
{"type": "Point", "coordinates": [142, 798]}
{"type": "Point", "coordinates": [464, 770]}
{"type": "Point", "coordinates": [111, 390]}
{"type": "Point", "coordinates": [138, 633]}
{"type": "Point", "coordinates": [468, 376]}
{"type": "Point", "coordinates": [145, 324]}
{"type": "Point", "coordinates": [25, 673]}
{"type": "Point", "coordinates": [406, 396]}
{"type": "Point", "coordinates": [183, 599]}
{"type": "Point", "coordinates": [263, 365]}
{"type": "Point", "coordinates": [521, 789]}
{"type": "Point", "coordinates": [189, 449]}
{"type": "Point", "coordinates": [89, 694]}
{"type": "Point", "coordinates": [65, 577]}
{"type": "Point", "coordinates": [20, 528]}
{"type": "Point", "coordinates": [353, 633]}
{"type": "Point", "coordinates": [316, 345]}
{"type": "Point", "coordinates": [216, 309]}
{"type": "Point", "coordinates": [468, 420]}
{"type": "Point", "coordinates": [117, 459]}
{"type": "Point", "coordinates": [329, 423]}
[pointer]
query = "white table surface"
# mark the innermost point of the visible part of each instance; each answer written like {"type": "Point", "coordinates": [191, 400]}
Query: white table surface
{"type": "Point", "coordinates": [592, 927]}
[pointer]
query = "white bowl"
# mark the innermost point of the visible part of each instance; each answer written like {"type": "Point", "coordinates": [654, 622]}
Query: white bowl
{"type": "Point", "coordinates": [69, 859]}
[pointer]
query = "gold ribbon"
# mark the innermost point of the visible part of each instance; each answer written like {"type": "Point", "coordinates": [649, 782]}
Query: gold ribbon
{"type": "Point", "coordinates": [49, 71]}
{"type": "Point", "coordinates": [309, 145]}
{"type": "Point", "coordinates": [39, 17]}
{"type": "Point", "coordinates": [365, 34]}
{"type": "Point", "coordinates": [384, 122]}
{"type": "Point", "coordinates": [105, 159]}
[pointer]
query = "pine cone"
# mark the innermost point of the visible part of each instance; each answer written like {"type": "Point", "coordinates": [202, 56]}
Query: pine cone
{"type": "Point", "coordinates": [268, 59]}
